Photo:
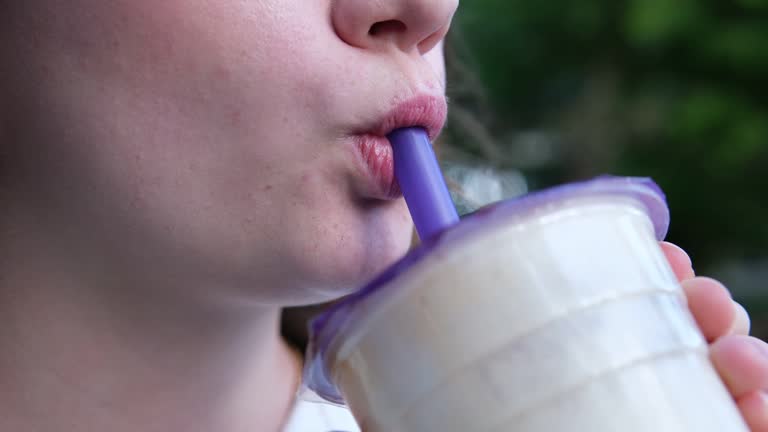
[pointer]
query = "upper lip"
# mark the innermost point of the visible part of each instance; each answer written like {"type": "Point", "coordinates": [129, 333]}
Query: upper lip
{"type": "Point", "coordinates": [426, 111]}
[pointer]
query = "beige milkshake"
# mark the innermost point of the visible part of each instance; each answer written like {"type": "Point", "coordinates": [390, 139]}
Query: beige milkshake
{"type": "Point", "coordinates": [555, 312]}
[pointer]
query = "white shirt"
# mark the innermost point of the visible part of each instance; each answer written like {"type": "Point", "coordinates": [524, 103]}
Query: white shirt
{"type": "Point", "coordinates": [320, 417]}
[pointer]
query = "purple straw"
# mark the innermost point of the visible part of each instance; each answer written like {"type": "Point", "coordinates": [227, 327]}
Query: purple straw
{"type": "Point", "coordinates": [422, 182]}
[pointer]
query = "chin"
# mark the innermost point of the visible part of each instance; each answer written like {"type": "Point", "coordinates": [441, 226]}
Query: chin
{"type": "Point", "coordinates": [345, 264]}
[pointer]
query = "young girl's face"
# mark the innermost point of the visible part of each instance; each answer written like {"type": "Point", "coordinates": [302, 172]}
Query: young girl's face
{"type": "Point", "coordinates": [221, 140]}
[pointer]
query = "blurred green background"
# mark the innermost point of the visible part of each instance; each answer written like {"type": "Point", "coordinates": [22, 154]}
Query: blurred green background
{"type": "Point", "coordinates": [561, 90]}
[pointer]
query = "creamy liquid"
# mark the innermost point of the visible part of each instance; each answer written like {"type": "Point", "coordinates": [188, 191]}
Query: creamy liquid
{"type": "Point", "coordinates": [568, 320]}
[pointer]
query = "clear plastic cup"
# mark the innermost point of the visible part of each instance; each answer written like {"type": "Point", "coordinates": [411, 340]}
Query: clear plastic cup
{"type": "Point", "coordinates": [554, 312]}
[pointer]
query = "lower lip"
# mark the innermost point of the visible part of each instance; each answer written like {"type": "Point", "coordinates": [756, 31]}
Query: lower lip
{"type": "Point", "coordinates": [378, 166]}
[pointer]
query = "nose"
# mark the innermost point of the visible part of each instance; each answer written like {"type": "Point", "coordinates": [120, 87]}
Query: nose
{"type": "Point", "coordinates": [406, 24]}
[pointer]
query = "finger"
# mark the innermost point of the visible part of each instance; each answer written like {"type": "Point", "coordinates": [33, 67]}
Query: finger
{"type": "Point", "coordinates": [741, 323]}
{"type": "Point", "coordinates": [742, 362]}
{"type": "Point", "coordinates": [679, 260]}
{"type": "Point", "coordinates": [711, 305]}
{"type": "Point", "coordinates": [754, 409]}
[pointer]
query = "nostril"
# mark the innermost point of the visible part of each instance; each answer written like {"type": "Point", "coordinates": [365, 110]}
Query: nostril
{"type": "Point", "coordinates": [390, 26]}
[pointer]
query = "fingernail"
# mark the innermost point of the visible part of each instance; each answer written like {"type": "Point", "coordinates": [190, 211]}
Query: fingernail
{"type": "Point", "coordinates": [760, 347]}
{"type": "Point", "coordinates": [742, 324]}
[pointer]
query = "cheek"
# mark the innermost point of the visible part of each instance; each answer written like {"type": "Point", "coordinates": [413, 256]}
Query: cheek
{"type": "Point", "coordinates": [196, 49]}
{"type": "Point", "coordinates": [335, 243]}
{"type": "Point", "coordinates": [203, 79]}
{"type": "Point", "coordinates": [348, 255]}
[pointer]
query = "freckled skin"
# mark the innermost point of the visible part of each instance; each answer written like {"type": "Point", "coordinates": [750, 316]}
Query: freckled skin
{"type": "Point", "coordinates": [178, 114]}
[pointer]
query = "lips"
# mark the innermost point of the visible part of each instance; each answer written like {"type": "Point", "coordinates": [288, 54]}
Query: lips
{"type": "Point", "coordinates": [375, 152]}
{"type": "Point", "coordinates": [424, 111]}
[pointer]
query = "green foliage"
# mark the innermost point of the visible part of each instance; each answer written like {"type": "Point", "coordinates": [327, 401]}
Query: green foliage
{"type": "Point", "coordinates": [677, 88]}
{"type": "Point", "coordinates": [654, 23]}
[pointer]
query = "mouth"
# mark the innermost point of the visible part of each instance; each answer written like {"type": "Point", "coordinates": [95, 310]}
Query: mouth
{"type": "Point", "coordinates": [375, 152]}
